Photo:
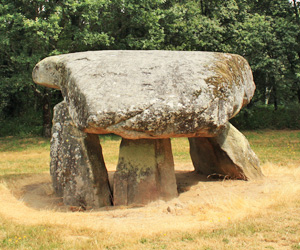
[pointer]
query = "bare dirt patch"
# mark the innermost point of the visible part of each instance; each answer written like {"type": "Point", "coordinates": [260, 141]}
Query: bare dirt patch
{"type": "Point", "coordinates": [201, 204]}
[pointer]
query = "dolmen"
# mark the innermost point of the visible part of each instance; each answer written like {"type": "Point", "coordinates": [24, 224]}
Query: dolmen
{"type": "Point", "coordinates": [146, 97]}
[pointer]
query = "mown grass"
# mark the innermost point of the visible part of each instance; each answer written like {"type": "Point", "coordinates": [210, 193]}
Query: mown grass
{"type": "Point", "coordinates": [275, 227]}
{"type": "Point", "coordinates": [281, 147]}
{"type": "Point", "coordinates": [17, 144]}
{"type": "Point", "coordinates": [270, 145]}
{"type": "Point", "coordinates": [278, 232]}
{"type": "Point", "coordinates": [15, 236]}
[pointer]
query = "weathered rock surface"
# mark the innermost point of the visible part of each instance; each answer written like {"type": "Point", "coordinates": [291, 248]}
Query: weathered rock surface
{"type": "Point", "coordinates": [146, 97]}
{"type": "Point", "coordinates": [149, 94]}
{"type": "Point", "coordinates": [145, 172]}
{"type": "Point", "coordinates": [77, 168]}
{"type": "Point", "coordinates": [228, 154]}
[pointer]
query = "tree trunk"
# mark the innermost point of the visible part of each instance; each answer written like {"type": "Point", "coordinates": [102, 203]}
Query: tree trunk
{"type": "Point", "coordinates": [275, 97]}
{"type": "Point", "coordinates": [298, 38]}
{"type": "Point", "coordinates": [297, 20]}
{"type": "Point", "coordinates": [46, 114]}
{"type": "Point", "coordinates": [267, 95]}
{"type": "Point", "coordinates": [296, 11]}
{"type": "Point", "coordinates": [202, 7]}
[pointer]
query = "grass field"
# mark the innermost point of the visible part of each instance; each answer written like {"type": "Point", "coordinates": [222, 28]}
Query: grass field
{"type": "Point", "coordinates": [255, 215]}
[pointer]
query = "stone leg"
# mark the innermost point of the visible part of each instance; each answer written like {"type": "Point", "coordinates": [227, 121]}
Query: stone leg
{"type": "Point", "coordinates": [228, 154]}
{"type": "Point", "coordinates": [77, 167]}
{"type": "Point", "coordinates": [145, 172]}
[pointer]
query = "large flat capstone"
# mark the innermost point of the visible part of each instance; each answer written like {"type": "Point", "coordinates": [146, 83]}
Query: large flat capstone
{"type": "Point", "coordinates": [149, 94]}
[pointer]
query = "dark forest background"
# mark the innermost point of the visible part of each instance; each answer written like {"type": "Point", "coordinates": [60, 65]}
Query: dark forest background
{"type": "Point", "coordinates": [266, 33]}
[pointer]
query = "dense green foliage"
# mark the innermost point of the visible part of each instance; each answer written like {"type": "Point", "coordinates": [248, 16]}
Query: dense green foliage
{"type": "Point", "coordinates": [266, 33]}
{"type": "Point", "coordinates": [266, 117]}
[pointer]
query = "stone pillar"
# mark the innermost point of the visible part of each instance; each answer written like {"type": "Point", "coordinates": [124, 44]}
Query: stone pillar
{"type": "Point", "coordinates": [228, 154]}
{"type": "Point", "coordinates": [145, 172]}
{"type": "Point", "coordinates": [77, 167]}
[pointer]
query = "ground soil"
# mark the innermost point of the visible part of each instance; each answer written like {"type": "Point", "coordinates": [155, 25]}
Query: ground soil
{"type": "Point", "coordinates": [202, 202]}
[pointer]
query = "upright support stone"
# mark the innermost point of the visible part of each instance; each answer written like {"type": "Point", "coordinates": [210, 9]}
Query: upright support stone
{"type": "Point", "coordinates": [227, 154]}
{"type": "Point", "coordinates": [145, 172]}
{"type": "Point", "coordinates": [77, 167]}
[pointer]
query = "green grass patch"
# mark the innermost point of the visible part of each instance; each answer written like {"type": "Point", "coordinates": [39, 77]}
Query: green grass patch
{"type": "Point", "coordinates": [281, 146]}
{"type": "Point", "coordinates": [17, 236]}
{"type": "Point", "coordinates": [16, 143]}
{"type": "Point", "coordinates": [32, 166]}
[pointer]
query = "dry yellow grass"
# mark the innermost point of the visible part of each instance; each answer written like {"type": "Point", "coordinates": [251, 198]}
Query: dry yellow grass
{"type": "Point", "coordinates": [228, 214]}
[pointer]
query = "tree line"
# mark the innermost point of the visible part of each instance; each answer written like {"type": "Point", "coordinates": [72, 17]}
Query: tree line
{"type": "Point", "coordinates": [266, 33]}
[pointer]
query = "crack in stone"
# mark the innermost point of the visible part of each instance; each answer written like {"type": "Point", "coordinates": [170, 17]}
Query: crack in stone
{"type": "Point", "coordinates": [128, 118]}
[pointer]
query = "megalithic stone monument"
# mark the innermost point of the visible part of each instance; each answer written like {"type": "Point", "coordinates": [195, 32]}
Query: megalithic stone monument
{"type": "Point", "coordinates": [146, 97]}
